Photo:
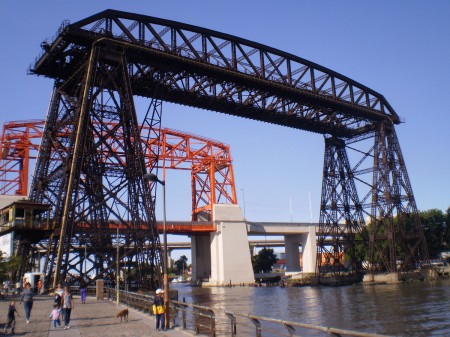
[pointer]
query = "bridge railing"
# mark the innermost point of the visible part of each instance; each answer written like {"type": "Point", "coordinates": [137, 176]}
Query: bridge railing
{"type": "Point", "coordinates": [204, 320]}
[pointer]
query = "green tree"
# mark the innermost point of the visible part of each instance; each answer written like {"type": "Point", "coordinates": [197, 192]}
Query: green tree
{"type": "Point", "coordinates": [181, 264]}
{"type": "Point", "coordinates": [447, 231]}
{"type": "Point", "coordinates": [436, 231]}
{"type": "Point", "coordinates": [264, 260]}
{"type": "Point", "coordinates": [8, 266]}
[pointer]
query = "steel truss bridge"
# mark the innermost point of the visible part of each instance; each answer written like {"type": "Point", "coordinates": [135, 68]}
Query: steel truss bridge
{"type": "Point", "coordinates": [89, 175]}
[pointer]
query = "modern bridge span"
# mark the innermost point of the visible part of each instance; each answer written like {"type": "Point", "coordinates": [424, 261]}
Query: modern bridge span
{"type": "Point", "coordinates": [223, 256]}
{"type": "Point", "coordinates": [294, 235]}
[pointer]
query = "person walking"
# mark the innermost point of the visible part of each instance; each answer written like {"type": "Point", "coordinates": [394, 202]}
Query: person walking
{"type": "Point", "coordinates": [27, 299]}
{"type": "Point", "coordinates": [57, 298]}
{"type": "Point", "coordinates": [67, 306]}
{"type": "Point", "coordinates": [83, 290]}
{"type": "Point", "coordinates": [159, 310]}
{"type": "Point", "coordinates": [55, 315]}
{"type": "Point", "coordinates": [57, 295]}
{"type": "Point", "coordinates": [11, 319]}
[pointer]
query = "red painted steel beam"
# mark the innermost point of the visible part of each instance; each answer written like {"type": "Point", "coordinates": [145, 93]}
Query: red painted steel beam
{"type": "Point", "coordinates": [209, 161]}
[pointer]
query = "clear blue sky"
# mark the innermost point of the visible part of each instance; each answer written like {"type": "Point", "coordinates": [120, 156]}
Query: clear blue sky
{"type": "Point", "coordinates": [399, 48]}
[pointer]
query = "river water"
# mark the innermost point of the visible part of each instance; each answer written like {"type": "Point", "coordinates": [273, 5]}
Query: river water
{"type": "Point", "coordinates": [409, 309]}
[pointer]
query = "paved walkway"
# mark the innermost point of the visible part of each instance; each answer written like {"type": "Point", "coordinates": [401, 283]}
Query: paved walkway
{"type": "Point", "coordinates": [93, 319]}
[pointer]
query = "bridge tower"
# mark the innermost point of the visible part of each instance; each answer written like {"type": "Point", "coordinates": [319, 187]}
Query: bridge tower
{"type": "Point", "coordinates": [385, 219]}
{"type": "Point", "coordinates": [90, 170]}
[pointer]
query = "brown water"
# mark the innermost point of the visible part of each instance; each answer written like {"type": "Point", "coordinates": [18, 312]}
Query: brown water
{"type": "Point", "coordinates": [412, 309]}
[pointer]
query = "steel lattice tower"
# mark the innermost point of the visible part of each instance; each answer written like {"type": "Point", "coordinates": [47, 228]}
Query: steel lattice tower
{"type": "Point", "coordinates": [341, 216]}
{"type": "Point", "coordinates": [385, 219]}
{"type": "Point", "coordinates": [90, 170]}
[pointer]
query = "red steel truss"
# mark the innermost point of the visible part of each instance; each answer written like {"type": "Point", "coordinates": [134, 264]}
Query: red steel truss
{"type": "Point", "coordinates": [209, 161]}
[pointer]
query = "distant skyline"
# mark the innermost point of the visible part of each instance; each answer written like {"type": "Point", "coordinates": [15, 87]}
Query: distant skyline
{"type": "Point", "coordinates": [397, 48]}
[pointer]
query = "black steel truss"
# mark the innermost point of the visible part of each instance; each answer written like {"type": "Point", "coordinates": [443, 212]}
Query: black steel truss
{"type": "Point", "coordinates": [90, 170]}
{"type": "Point", "coordinates": [100, 62]}
{"type": "Point", "coordinates": [341, 218]}
{"type": "Point", "coordinates": [385, 220]}
{"type": "Point", "coordinates": [220, 72]}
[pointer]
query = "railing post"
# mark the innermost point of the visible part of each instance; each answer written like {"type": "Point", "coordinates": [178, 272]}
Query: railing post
{"type": "Point", "coordinates": [289, 328]}
{"type": "Point", "coordinates": [233, 323]}
{"type": "Point", "coordinates": [212, 317]}
{"type": "Point", "coordinates": [183, 314]}
{"type": "Point", "coordinates": [257, 325]}
{"type": "Point", "coordinates": [197, 321]}
{"type": "Point", "coordinates": [174, 313]}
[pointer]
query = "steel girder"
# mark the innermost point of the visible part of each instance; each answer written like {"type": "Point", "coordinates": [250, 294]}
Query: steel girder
{"type": "Point", "coordinates": [220, 72]}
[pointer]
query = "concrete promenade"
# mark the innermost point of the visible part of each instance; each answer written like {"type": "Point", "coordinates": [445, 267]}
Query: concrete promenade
{"type": "Point", "coordinates": [93, 319]}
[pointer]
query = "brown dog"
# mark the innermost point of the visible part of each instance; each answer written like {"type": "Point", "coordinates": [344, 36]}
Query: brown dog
{"type": "Point", "coordinates": [123, 314]}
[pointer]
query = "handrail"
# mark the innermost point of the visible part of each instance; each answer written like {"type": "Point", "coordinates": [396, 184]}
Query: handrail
{"type": "Point", "coordinates": [289, 326]}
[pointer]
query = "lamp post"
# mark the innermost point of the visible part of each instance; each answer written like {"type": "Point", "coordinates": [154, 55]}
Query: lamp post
{"type": "Point", "coordinates": [154, 178]}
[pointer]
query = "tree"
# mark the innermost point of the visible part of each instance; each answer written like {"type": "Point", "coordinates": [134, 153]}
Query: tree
{"type": "Point", "coordinates": [264, 260]}
{"type": "Point", "coordinates": [8, 266]}
{"type": "Point", "coordinates": [436, 226]}
{"type": "Point", "coordinates": [181, 264]}
{"type": "Point", "coordinates": [436, 231]}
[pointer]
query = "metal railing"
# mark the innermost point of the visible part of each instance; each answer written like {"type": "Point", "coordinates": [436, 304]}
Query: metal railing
{"type": "Point", "coordinates": [206, 321]}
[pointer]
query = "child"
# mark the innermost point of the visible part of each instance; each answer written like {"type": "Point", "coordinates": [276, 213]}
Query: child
{"type": "Point", "coordinates": [159, 310]}
{"type": "Point", "coordinates": [11, 319]}
{"type": "Point", "coordinates": [54, 315]}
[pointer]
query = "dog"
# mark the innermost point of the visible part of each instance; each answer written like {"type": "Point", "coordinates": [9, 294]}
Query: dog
{"type": "Point", "coordinates": [123, 314]}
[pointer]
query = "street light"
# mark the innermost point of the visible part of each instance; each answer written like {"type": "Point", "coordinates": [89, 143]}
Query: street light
{"type": "Point", "coordinates": [154, 178]}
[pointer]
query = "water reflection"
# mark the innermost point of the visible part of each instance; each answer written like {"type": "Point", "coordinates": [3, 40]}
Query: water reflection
{"type": "Point", "coordinates": [415, 309]}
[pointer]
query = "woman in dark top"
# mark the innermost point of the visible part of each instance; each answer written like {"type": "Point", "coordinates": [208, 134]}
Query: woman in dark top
{"type": "Point", "coordinates": [27, 298]}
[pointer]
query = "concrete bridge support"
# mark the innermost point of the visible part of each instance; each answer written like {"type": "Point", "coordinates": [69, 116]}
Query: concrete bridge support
{"type": "Point", "coordinates": [291, 243]}
{"type": "Point", "coordinates": [309, 249]}
{"type": "Point", "coordinates": [201, 257]}
{"type": "Point", "coordinates": [223, 256]}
